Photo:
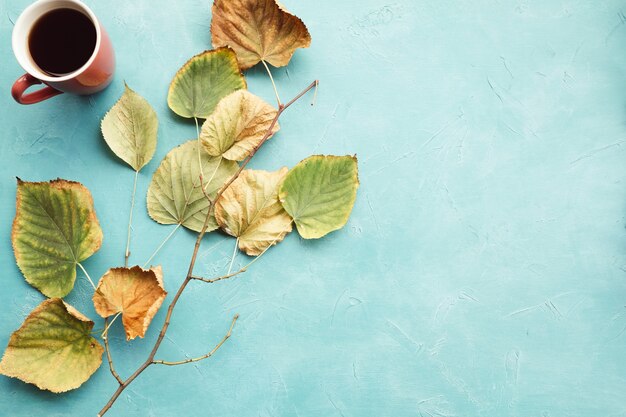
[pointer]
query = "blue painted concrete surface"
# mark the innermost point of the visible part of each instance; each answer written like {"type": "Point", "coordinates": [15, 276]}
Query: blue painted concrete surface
{"type": "Point", "coordinates": [482, 272]}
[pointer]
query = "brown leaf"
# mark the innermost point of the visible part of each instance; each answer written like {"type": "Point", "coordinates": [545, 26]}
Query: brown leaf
{"type": "Point", "coordinates": [135, 292]}
{"type": "Point", "coordinates": [258, 30]}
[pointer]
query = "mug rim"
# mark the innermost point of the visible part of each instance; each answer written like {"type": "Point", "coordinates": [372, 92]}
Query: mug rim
{"type": "Point", "coordinates": [20, 34]}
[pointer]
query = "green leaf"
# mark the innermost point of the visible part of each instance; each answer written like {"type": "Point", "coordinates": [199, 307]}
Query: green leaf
{"type": "Point", "coordinates": [53, 348]}
{"type": "Point", "coordinates": [130, 129]}
{"type": "Point", "coordinates": [175, 195]}
{"type": "Point", "coordinates": [237, 126]}
{"type": "Point", "coordinates": [249, 209]}
{"type": "Point", "coordinates": [55, 228]}
{"type": "Point", "coordinates": [319, 193]}
{"type": "Point", "coordinates": [202, 82]}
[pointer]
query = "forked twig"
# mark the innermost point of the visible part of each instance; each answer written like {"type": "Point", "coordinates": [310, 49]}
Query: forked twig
{"type": "Point", "coordinates": [150, 360]}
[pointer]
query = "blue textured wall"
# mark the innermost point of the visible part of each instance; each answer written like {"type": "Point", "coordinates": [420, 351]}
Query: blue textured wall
{"type": "Point", "coordinates": [482, 272]}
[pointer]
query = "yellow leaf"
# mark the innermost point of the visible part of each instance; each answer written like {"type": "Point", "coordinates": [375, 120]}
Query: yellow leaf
{"type": "Point", "coordinates": [237, 126]}
{"type": "Point", "coordinates": [135, 292]}
{"type": "Point", "coordinates": [258, 30]}
{"type": "Point", "coordinates": [249, 209]}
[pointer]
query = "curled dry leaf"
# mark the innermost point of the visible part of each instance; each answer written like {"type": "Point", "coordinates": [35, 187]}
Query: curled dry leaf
{"type": "Point", "coordinates": [237, 126]}
{"type": "Point", "coordinates": [55, 228]}
{"type": "Point", "coordinates": [258, 30]}
{"type": "Point", "coordinates": [175, 195]}
{"type": "Point", "coordinates": [319, 193]}
{"type": "Point", "coordinates": [130, 129]}
{"type": "Point", "coordinates": [202, 82]}
{"type": "Point", "coordinates": [135, 292]}
{"type": "Point", "coordinates": [53, 348]}
{"type": "Point", "coordinates": [249, 209]}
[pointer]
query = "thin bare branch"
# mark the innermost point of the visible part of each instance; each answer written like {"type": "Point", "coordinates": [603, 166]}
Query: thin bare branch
{"type": "Point", "coordinates": [208, 355]}
{"type": "Point", "coordinates": [221, 278]}
{"type": "Point", "coordinates": [189, 276]}
{"type": "Point", "coordinates": [107, 349]}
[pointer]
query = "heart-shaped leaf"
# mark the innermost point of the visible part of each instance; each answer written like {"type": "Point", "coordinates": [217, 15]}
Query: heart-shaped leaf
{"type": "Point", "coordinates": [175, 195]}
{"type": "Point", "coordinates": [249, 209]}
{"type": "Point", "coordinates": [237, 126]}
{"type": "Point", "coordinates": [53, 348]}
{"type": "Point", "coordinates": [258, 30]}
{"type": "Point", "coordinates": [203, 81]}
{"type": "Point", "coordinates": [55, 228]}
{"type": "Point", "coordinates": [135, 292]}
{"type": "Point", "coordinates": [130, 129]}
{"type": "Point", "coordinates": [319, 193]}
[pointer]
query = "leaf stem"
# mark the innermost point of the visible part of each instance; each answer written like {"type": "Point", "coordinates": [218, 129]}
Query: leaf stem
{"type": "Point", "coordinates": [130, 219]}
{"type": "Point", "coordinates": [315, 93]}
{"type": "Point", "coordinates": [273, 84]}
{"type": "Point", "coordinates": [204, 187]}
{"type": "Point", "coordinates": [199, 146]}
{"type": "Point", "coordinates": [161, 246]}
{"type": "Point", "coordinates": [87, 275]}
{"type": "Point", "coordinates": [232, 259]}
{"type": "Point", "coordinates": [208, 355]}
{"type": "Point", "coordinates": [106, 328]}
{"type": "Point", "coordinates": [150, 360]}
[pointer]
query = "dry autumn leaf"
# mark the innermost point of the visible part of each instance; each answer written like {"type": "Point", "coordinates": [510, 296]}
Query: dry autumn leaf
{"type": "Point", "coordinates": [249, 209]}
{"type": "Point", "coordinates": [237, 126]}
{"type": "Point", "coordinates": [135, 292]}
{"type": "Point", "coordinates": [53, 348]}
{"type": "Point", "coordinates": [55, 228]}
{"type": "Point", "coordinates": [258, 30]}
{"type": "Point", "coordinates": [175, 195]}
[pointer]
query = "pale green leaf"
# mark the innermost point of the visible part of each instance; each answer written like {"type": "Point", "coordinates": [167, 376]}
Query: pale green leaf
{"type": "Point", "coordinates": [53, 349]}
{"type": "Point", "coordinates": [175, 195]}
{"type": "Point", "coordinates": [130, 129]}
{"type": "Point", "coordinates": [249, 209]}
{"type": "Point", "coordinates": [319, 193]}
{"type": "Point", "coordinates": [202, 82]}
{"type": "Point", "coordinates": [237, 126]}
{"type": "Point", "coordinates": [55, 228]}
{"type": "Point", "coordinates": [135, 292]}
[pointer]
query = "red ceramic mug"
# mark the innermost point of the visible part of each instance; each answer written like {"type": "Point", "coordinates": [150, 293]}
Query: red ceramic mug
{"type": "Point", "coordinates": [94, 75]}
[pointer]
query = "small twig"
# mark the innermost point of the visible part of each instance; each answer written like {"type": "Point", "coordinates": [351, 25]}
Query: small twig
{"type": "Point", "coordinates": [107, 349]}
{"type": "Point", "coordinates": [273, 84]}
{"type": "Point", "coordinates": [145, 265]}
{"type": "Point", "coordinates": [240, 271]}
{"type": "Point", "coordinates": [130, 219]}
{"type": "Point", "coordinates": [223, 277]}
{"type": "Point", "coordinates": [208, 355]}
{"type": "Point", "coordinates": [87, 275]}
{"type": "Point", "coordinates": [192, 262]}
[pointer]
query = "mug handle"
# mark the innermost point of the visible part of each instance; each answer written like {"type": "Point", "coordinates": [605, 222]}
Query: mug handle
{"type": "Point", "coordinates": [26, 81]}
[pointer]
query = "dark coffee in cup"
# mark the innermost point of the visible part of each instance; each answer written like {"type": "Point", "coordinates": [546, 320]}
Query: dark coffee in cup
{"type": "Point", "coordinates": [61, 41]}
